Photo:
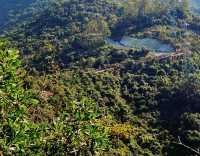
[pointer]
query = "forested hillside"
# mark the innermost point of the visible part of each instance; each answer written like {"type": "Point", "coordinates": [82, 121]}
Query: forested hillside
{"type": "Point", "coordinates": [100, 77]}
{"type": "Point", "coordinates": [11, 8]}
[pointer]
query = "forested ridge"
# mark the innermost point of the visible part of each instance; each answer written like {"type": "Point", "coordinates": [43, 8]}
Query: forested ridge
{"type": "Point", "coordinates": [66, 89]}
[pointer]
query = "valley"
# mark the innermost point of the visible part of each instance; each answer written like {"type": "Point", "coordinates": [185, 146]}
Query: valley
{"type": "Point", "coordinates": [100, 77]}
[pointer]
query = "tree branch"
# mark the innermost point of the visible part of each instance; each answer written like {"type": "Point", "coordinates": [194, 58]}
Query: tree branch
{"type": "Point", "coordinates": [187, 147]}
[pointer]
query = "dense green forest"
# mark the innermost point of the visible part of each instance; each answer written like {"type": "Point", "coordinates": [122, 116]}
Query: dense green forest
{"type": "Point", "coordinates": [72, 83]}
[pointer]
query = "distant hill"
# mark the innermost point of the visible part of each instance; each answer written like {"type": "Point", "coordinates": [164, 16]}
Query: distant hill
{"type": "Point", "coordinates": [195, 6]}
{"type": "Point", "coordinates": [9, 6]}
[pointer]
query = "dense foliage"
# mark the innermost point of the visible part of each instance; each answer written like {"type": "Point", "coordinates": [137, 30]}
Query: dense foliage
{"type": "Point", "coordinates": [68, 92]}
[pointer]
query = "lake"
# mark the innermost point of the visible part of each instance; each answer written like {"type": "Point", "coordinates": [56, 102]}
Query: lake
{"type": "Point", "coordinates": [138, 43]}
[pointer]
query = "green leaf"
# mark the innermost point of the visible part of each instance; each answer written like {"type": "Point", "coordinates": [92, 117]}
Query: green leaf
{"type": "Point", "coordinates": [34, 102]}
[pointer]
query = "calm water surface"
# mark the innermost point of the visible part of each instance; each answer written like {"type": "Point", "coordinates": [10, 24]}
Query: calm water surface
{"type": "Point", "coordinates": [148, 43]}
